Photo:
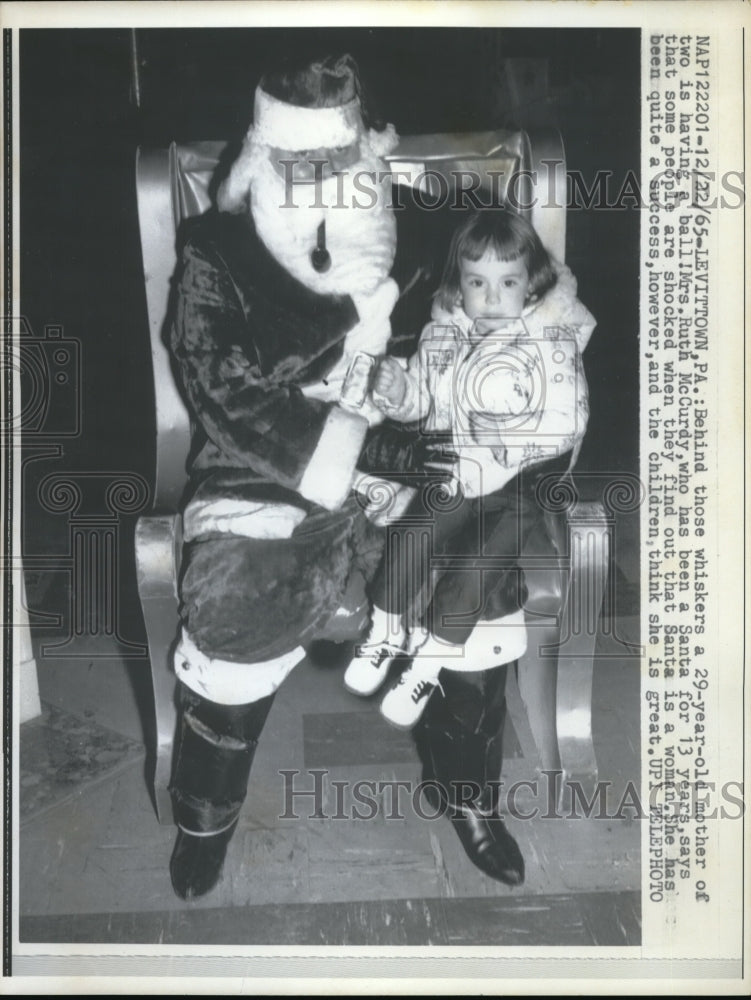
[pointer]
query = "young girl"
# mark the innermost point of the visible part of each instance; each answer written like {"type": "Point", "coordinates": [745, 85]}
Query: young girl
{"type": "Point", "coordinates": [499, 367]}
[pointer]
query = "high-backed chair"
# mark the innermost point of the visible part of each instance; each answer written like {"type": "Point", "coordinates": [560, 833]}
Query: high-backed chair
{"type": "Point", "coordinates": [565, 571]}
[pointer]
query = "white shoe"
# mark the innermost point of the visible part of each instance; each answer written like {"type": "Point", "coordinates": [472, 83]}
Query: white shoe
{"type": "Point", "coordinates": [406, 701]}
{"type": "Point", "coordinates": [370, 667]}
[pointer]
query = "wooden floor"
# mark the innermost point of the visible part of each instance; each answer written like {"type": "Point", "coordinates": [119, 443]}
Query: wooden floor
{"type": "Point", "coordinates": [584, 919]}
{"type": "Point", "coordinates": [94, 860]}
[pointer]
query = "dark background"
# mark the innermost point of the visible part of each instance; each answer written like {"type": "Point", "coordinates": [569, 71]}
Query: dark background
{"type": "Point", "coordinates": [82, 115]}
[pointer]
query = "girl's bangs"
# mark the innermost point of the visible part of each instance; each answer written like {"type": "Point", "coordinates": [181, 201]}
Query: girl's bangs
{"type": "Point", "coordinates": [506, 248]}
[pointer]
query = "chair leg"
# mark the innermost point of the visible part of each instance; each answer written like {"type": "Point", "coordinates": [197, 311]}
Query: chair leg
{"type": "Point", "coordinates": [537, 686]}
{"type": "Point", "coordinates": [161, 639]}
{"type": "Point", "coordinates": [156, 541]}
{"type": "Point", "coordinates": [589, 553]}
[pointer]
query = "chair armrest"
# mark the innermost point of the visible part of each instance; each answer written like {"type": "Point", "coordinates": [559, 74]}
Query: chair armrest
{"type": "Point", "coordinates": [158, 552]}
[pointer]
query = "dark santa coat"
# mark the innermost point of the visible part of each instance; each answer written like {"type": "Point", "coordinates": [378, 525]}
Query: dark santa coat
{"type": "Point", "coordinates": [248, 338]}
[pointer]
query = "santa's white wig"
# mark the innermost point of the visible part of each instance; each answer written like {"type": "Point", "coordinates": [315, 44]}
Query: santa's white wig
{"type": "Point", "coordinates": [316, 106]}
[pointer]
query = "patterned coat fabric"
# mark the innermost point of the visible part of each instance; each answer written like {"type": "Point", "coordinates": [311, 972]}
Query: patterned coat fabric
{"type": "Point", "coordinates": [512, 394]}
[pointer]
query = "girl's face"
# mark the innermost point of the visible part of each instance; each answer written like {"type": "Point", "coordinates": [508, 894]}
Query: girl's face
{"type": "Point", "coordinates": [493, 287]}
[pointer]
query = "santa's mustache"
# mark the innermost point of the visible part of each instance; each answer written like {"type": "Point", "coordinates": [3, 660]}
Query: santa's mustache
{"type": "Point", "coordinates": [332, 229]}
{"type": "Point", "coordinates": [363, 186]}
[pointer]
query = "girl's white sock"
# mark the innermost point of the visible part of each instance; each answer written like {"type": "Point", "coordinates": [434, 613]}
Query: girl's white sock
{"type": "Point", "coordinates": [386, 627]}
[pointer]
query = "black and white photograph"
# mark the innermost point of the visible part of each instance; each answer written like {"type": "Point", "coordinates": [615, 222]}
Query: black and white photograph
{"type": "Point", "coordinates": [354, 502]}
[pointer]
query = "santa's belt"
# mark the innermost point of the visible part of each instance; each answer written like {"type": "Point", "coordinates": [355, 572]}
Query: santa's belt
{"type": "Point", "coordinates": [243, 518]}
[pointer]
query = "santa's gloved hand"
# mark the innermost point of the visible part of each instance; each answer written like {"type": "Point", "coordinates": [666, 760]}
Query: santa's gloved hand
{"type": "Point", "coordinates": [441, 461]}
{"type": "Point", "coordinates": [399, 454]}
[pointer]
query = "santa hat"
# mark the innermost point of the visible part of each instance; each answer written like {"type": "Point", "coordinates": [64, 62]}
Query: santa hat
{"type": "Point", "coordinates": [314, 106]}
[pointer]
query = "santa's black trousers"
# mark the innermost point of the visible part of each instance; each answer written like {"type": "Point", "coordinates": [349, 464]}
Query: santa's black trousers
{"type": "Point", "coordinates": [214, 756]}
{"type": "Point", "coordinates": [460, 735]}
{"type": "Point", "coordinates": [459, 740]}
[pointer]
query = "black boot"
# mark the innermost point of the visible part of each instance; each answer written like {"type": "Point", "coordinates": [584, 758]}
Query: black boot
{"type": "Point", "coordinates": [196, 862]}
{"type": "Point", "coordinates": [460, 742]}
{"type": "Point", "coordinates": [209, 784]}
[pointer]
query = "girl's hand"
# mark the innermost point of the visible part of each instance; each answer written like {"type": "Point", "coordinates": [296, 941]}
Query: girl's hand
{"type": "Point", "coordinates": [389, 384]}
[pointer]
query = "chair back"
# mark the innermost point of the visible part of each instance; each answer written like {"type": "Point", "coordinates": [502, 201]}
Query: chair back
{"type": "Point", "coordinates": [174, 184]}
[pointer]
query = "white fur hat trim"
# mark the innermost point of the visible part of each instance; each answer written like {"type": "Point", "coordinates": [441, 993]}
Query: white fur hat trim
{"type": "Point", "coordinates": [287, 126]}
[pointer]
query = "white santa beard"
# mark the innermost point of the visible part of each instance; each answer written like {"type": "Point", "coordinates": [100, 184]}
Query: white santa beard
{"type": "Point", "coordinates": [360, 241]}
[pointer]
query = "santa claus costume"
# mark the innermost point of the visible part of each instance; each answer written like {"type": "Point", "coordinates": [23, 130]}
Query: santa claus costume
{"type": "Point", "coordinates": [276, 293]}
